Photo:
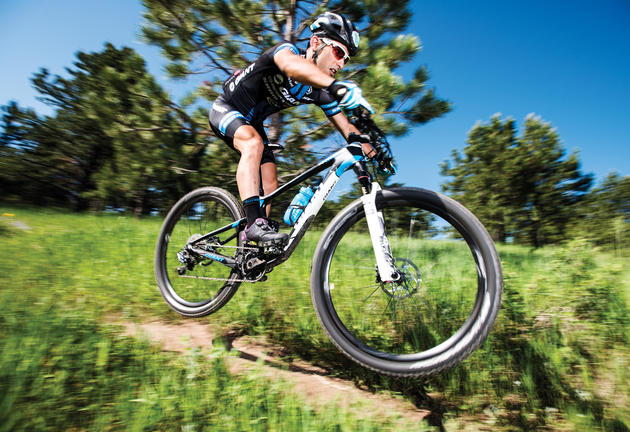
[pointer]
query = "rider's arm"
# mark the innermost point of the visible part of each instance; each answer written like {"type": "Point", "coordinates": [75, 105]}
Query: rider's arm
{"type": "Point", "coordinates": [300, 69]}
{"type": "Point", "coordinates": [346, 128]}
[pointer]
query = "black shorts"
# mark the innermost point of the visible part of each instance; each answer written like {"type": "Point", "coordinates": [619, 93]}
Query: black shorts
{"type": "Point", "coordinates": [225, 120]}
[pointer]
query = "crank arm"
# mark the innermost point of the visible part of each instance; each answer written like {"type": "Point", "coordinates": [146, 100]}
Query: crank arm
{"type": "Point", "coordinates": [225, 260]}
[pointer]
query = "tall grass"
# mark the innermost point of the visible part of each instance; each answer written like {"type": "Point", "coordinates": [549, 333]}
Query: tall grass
{"type": "Point", "coordinates": [558, 357]}
{"type": "Point", "coordinates": [62, 371]}
{"type": "Point", "coordinates": [62, 367]}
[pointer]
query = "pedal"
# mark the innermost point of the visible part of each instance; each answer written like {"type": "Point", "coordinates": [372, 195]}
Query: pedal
{"type": "Point", "coordinates": [277, 243]}
{"type": "Point", "coordinates": [272, 250]}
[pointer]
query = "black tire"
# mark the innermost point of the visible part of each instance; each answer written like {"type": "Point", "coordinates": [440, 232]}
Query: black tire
{"type": "Point", "coordinates": [199, 212]}
{"type": "Point", "coordinates": [444, 309]}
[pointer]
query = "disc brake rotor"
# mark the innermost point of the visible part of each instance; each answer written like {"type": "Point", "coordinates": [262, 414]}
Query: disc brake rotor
{"type": "Point", "coordinates": [408, 283]}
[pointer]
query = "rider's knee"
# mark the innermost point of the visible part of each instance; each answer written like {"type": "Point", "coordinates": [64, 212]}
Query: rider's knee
{"type": "Point", "coordinates": [249, 143]}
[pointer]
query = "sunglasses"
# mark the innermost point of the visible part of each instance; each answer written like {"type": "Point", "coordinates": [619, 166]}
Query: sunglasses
{"type": "Point", "coordinates": [338, 51]}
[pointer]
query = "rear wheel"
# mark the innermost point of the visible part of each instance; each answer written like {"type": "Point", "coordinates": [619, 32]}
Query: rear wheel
{"type": "Point", "coordinates": [442, 306]}
{"type": "Point", "coordinates": [192, 283]}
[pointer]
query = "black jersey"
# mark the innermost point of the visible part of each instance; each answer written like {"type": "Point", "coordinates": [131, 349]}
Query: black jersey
{"type": "Point", "coordinates": [261, 89]}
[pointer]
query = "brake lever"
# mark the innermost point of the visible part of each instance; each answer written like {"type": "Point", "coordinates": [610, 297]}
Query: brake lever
{"type": "Point", "coordinates": [384, 159]}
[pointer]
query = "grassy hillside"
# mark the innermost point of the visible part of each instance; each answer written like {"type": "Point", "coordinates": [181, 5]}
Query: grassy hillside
{"type": "Point", "coordinates": [558, 358]}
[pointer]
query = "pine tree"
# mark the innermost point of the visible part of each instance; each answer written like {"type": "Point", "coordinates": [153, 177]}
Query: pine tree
{"type": "Point", "coordinates": [50, 160]}
{"type": "Point", "coordinates": [115, 138]}
{"type": "Point", "coordinates": [483, 175]}
{"type": "Point", "coordinates": [606, 213]}
{"type": "Point", "coordinates": [216, 37]}
{"type": "Point", "coordinates": [522, 188]}
{"type": "Point", "coordinates": [549, 186]}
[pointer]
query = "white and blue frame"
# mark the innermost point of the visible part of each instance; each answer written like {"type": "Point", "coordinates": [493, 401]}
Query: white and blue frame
{"type": "Point", "coordinates": [349, 157]}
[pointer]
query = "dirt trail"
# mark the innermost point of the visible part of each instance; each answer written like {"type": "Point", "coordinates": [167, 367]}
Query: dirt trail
{"type": "Point", "coordinates": [307, 379]}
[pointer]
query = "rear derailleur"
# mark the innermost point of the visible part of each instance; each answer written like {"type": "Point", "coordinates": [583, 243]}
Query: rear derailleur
{"type": "Point", "coordinates": [191, 256]}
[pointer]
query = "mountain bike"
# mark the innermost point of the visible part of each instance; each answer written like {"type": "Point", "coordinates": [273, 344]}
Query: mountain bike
{"type": "Point", "coordinates": [404, 281]}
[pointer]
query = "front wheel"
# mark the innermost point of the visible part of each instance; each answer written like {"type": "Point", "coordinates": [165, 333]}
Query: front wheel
{"type": "Point", "coordinates": [189, 264]}
{"type": "Point", "coordinates": [444, 302]}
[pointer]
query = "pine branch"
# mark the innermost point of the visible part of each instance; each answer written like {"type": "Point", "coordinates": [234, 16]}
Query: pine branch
{"type": "Point", "coordinates": [200, 48]}
{"type": "Point", "coordinates": [276, 19]}
{"type": "Point", "coordinates": [294, 174]}
{"type": "Point", "coordinates": [183, 115]}
{"type": "Point", "coordinates": [308, 132]}
{"type": "Point", "coordinates": [288, 30]}
{"type": "Point", "coordinates": [127, 128]}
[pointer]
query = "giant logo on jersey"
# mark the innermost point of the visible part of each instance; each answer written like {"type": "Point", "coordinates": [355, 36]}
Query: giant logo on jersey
{"type": "Point", "coordinates": [242, 75]}
{"type": "Point", "coordinates": [279, 95]}
{"type": "Point", "coordinates": [288, 97]}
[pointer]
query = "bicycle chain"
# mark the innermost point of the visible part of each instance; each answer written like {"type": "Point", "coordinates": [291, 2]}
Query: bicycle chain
{"type": "Point", "coordinates": [243, 248]}
{"type": "Point", "coordinates": [224, 280]}
{"type": "Point", "coordinates": [234, 247]}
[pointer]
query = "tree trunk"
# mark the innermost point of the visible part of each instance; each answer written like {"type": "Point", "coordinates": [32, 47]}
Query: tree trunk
{"type": "Point", "coordinates": [274, 131]}
{"type": "Point", "coordinates": [139, 203]}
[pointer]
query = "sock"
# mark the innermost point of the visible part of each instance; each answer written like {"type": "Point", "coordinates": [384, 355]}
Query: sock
{"type": "Point", "coordinates": [252, 209]}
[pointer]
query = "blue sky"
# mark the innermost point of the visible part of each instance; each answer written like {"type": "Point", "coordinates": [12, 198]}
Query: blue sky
{"type": "Point", "coordinates": [568, 62]}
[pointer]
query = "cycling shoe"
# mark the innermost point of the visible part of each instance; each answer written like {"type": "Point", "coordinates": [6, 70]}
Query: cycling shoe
{"type": "Point", "coordinates": [263, 234]}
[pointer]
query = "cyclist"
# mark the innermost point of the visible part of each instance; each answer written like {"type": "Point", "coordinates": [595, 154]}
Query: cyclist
{"type": "Point", "coordinates": [280, 78]}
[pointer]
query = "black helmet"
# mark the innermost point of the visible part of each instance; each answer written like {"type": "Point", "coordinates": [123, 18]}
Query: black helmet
{"type": "Point", "coordinates": [339, 28]}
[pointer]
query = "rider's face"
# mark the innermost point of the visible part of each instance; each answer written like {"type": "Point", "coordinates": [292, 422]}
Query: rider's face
{"type": "Point", "coordinates": [332, 57]}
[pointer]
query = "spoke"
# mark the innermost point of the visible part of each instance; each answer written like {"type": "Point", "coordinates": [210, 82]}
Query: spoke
{"type": "Point", "coordinates": [198, 218]}
{"type": "Point", "coordinates": [363, 287]}
{"type": "Point", "coordinates": [352, 266]}
{"type": "Point", "coordinates": [396, 308]}
{"type": "Point", "coordinates": [389, 301]}
{"type": "Point", "coordinates": [395, 311]}
{"type": "Point", "coordinates": [377, 288]}
{"type": "Point", "coordinates": [371, 306]}
{"type": "Point", "coordinates": [411, 224]}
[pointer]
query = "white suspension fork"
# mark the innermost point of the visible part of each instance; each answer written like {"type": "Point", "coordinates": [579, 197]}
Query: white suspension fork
{"type": "Point", "coordinates": [380, 243]}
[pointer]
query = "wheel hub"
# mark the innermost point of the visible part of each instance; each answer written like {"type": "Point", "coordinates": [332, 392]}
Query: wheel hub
{"type": "Point", "coordinates": [407, 283]}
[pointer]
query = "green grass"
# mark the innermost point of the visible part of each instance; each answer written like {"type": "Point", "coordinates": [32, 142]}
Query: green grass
{"type": "Point", "coordinates": [558, 357]}
{"type": "Point", "coordinates": [62, 367]}
{"type": "Point", "coordinates": [63, 371]}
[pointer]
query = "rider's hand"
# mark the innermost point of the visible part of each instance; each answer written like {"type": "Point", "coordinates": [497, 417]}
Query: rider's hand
{"type": "Point", "coordinates": [349, 95]}
{"type": "Point", "coordinates": [365, 142]}
{"type": "Point", "coordinates": [386, 164]}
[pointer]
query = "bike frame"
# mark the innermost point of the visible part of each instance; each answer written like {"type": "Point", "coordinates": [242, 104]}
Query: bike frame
{"type": "Point", "coordinates": [349, 157]}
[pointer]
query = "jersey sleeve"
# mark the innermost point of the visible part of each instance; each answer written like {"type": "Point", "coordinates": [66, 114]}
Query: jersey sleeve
{"type": "Point", "coordinates": [285, 45]}
{"type": "Point", "coordinates": [327, 103]}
